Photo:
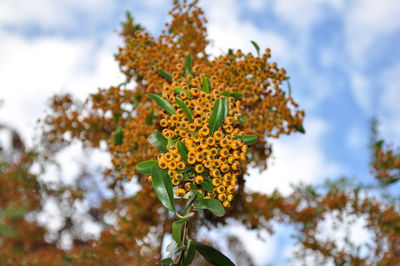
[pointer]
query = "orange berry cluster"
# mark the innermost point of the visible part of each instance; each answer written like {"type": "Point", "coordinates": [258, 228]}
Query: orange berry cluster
{"type": "Point", "coordinates": [211, 156]}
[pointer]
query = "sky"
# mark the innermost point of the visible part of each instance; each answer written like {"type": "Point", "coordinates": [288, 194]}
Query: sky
{"type": "Point", "coordinates": [342, 58]}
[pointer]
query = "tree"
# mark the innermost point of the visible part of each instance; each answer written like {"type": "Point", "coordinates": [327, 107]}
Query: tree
{"type": "Point", "coordinates": [183, 120]}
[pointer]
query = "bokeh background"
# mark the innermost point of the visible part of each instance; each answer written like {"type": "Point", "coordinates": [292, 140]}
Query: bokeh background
{"type": "Point", "coordinates": [342, 56]}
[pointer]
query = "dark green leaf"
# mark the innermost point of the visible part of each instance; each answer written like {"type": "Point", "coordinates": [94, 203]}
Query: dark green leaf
{"type": "Point", "coordinates": [286, 78]}
{"type": "Point", "coordinates": [163, 187]}
{"type": "Point", "coordinates": [179, 90]}
{"type": "Point", "coordinates": [213, 205]}
{"type": "Point", "coordinates": [150, 118]}
{"type": "Point", "coordinates": [188, 64]}
{"type": "Point", "coordinates": [247, 139]}
{"type": "Point", "coordinates": [237, 95]}
{"type": "Point", "coordinates": [177, 228]}
{"type": "Point", "coordinates": [183, 151]}
{"type": "Point", "coordinates": [166, 262]}
{"type": "Point", "coordinates": [212, 255]}
{"type": "Point", "coordinates": [185, 109]}
{"type": "Point", "coordinates": [206, 84]}
{"type": "Point", "coordinates": [379, 144]}
{"type": "Point", "coordinates": [225, 93]}
{"type": "Point", "coordinates": [165, 74]}
{"type": "Point", "coordinates": [118, 136]}
{"type": "Point", "coordinates": [217, 116]}
{"type": "Point", "coordinates": [256, 46]}
{"type": "Point", "coordinates": [300, 128]}
{"type": "Point", "coordinates": [146, 167]}
{"type": "Point", "coordinates": [207, 186]}
{"type": "Point", "coordinates": [190, 252]}
{"type": "Point", "coordinates": [6, 231]}
{"type": "Point", "coordinates": [67, 259]}
{"type": "Point", "coordinates": [14, 213]}
{"type": "Point", "coordinates": [157, 140]}
{"type": "Point", "coordinates": [162, 103]}
{"type": "Point", "coordinates": [225, 101]}
{"type": "Point", "coordinates": [230, 52]}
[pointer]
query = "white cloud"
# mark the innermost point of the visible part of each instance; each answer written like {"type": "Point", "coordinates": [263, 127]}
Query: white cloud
{"type": "Point", "coordinates": [49, 14]}
{"type": "Point", "coordinates": [362, 91]}
{"type": "Point", "coordinates": [31, 71]}
{"type": "Point", "coordinates": [389, 108]}
{"type": "Point", "coordinates": [366, 21]}
{"type": "Point", "coordinates": [227, 30]}
{"type": "Point", "coordinates": [297, 158]}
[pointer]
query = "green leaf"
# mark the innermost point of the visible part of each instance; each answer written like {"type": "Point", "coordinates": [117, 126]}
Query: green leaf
{"type": "Point", "coordinates": [183, 151]}
{"type": "Point", "coordinates": [188, 64]}
{"type": "Point", "coordinates": [300, 128]}
{"type": "Point", "coordinates": [14, 213]}
{"type": "Point", "coordinates": [179, 90]}
{"type": "Point", "coordinates": [217, 116]}
{"type": "Point", "coordinates": [213, 205]}
{"type": "Point", "coordinates": [190, 253]}
{"type": "Point", "coordinates": [206, 84]}
{"type": "Point", "coordinates": [186, 109]}
{"type": "Point", "coordinates": [225, 101]}
{"type": "Point", "coordinates": [162, 103]}
{"type": "Point", "coordinates": [237, 95]}
{"type": "Point", "coordinates": [207, 186]}
{"type": "Point", "coordinates": [6, 231]}
{"type": "Point", "coordinates": [165, 74]}
{"type": "Point", "coordinates": [67, 259]}
{"type": "Point", "coordinates": [256, 46]}
{"type": "Point", "coordinates": [177, 228]}
{"type": "Point", "coordinates": [225, 93]}
{"type": "Point", "coordinates": [166, 262]}
{"type": "Point", "coordinates": [145, 167]}
{"type": "Point", "coordinates": [230, 52]}
{"type": "Point", "coordinates": [379, 144]}
{"type": "Point", "coordinates": [247, 139]}
{"type": "Point", "coordinates": [118, 136]}
{"type": "Point", "coordinates": [241, 119]}
{"type": "Point", "coordinates": [286, 78]}
{"type": "Point", "coordinates": [150, 118]}
{"type": "Point", "coordinates": [212, 255]}
{"type": "Point", "coordinates": [163, 187]}
{"type": "Point", "coordinates": [157, 140]}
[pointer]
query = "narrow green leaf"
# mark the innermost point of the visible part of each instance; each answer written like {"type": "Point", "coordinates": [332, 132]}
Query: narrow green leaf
{"type": "Point", "coordinates": [206, 84]}
{"type": "Point", "coordinates": [177, 228]}
{"type": "Point", "coordinates": [118, 136]}
{"type": "Point", "coordinates": [256, 46]}
{"type": "Point", "coordinates": [185, 109]}
{"type": "Point", "coordinates": [150, 118]}
{"type": "Point", "coordinates": [157, 140]}
{"type": "Point", "coordinates": [225, 101]}
{"type": "Point", "coordinates": [286, 78]}
{"type": "Point", "coordinates": [167, 262]}
{"type": "Point", "coordinates": [207, 186]}
{"type": "Point", "coordinates": [300, 128]}
{"type": "Point", "coordinates": [165, 74]}
{"type": "Point", "coordinates": [247, 139]}
{"type": "Point", "coordinates": [213, 205]}
{"type": "Point", "coordinates": [237, 95]}
{"type": "Point", "coordinates": [163, 187]}
{"type": "Point", "coordinates": [217, 116]}
{"type": "Point", "coordinates": [189, 254]}
{"type": "Point", "coordinates": [179, 90]}
{"type": "Point", "coordinates": [145, 167]}
{"type": "Point", "coordinates": [162, 103]}
{"type": "Point", "coordinates": [212, 255]}
{"type": "Point", "coordinates": [188, 64]}
{"type": "Point", "coordinates": [183, 151]}
{"type": "Point", "coordinates": [6, 231]}
{"type": "Point", "coordinates": [225, 93]}
{"type": "Point", "coordinates": [13, 213]}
